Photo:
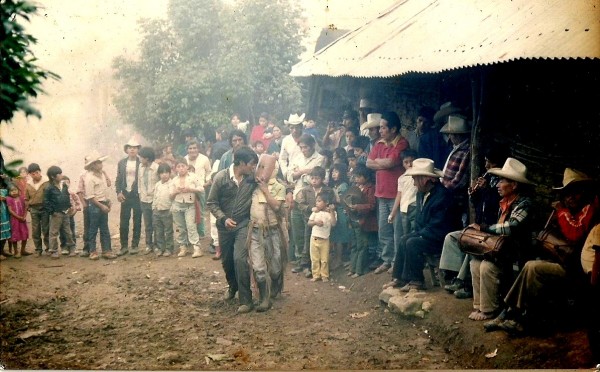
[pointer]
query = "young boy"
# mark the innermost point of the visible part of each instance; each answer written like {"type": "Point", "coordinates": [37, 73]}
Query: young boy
{"type": "Point", "coordinates": [363, 221]}
{"type": "Point", "coordinates": [360, 145]}
{"type": "Point", "coordinates": [147, 178]}
{"type": "Point", "coordinates": [305, 199]}
{"type": "Point", "coordinates": [57, 203]}
{"type": "Point", "coordinates": [265, 243]}
{"type": "Point", "coordinates": [183, 191]}
{"type": "Point", "coordinates": [75, 207]}
{"type": "Point", "coordinates": [321, 220]}
{"type": "Point", "coordinates": [406, 198]}
{"type": "Point", "coordinates": [34, 198]}
{"type": "Point", "coordinates": [162, 219]}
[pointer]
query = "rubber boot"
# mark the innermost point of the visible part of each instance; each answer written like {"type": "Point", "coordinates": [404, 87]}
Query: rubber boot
{"type": "Point", "coordinates": [217, 255]}
{"type": "Point", "coordinates": [265, 300]}
{"type": "Point", "coordinates": [276, 285]}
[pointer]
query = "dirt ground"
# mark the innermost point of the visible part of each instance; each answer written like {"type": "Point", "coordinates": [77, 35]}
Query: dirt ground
{"type": "Point", "coordinates": [148, 313]}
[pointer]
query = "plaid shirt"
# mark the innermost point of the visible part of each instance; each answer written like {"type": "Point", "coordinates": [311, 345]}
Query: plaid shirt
{"type": "Point", "coordinates": [457, 166]}
{"type": "Point", "coordinates": [518, 218]}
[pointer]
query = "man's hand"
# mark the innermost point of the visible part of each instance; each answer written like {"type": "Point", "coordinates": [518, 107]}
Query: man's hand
{"type": "Point", "coordinates": [230, 224]}
{"type": "Point", "coordinates": [104, 208]}
{"type": "Point", "coordinates": [120, 197]}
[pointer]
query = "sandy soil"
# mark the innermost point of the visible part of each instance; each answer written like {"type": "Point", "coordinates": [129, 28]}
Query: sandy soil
{"type": "Point", "coordinates": [148, 313]}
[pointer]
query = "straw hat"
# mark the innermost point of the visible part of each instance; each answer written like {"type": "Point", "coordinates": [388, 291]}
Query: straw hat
{"type": "Point", "coordinates": [131, 143]}
{"type": "Point", "coordinates": [373, 120]}
{"type": "Point", "coordinates": [294, 119]}
{"type": "Point", "coordinates": [456, 125]}
{"type": "Point", "coordinates": [572, 176]}
{"type": "Point", "coordinates": [92, 158]}
{"type": "Point", "coordinates": [423, 167]}
{"type": "Point", "coordinates": [446, 109]}
{"type": "Point", "coordinates": [513, 170]}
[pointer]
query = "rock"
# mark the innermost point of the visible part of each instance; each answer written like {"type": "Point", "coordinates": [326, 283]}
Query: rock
{"type": "Point", "coordinates": [170, 357]}
{"type": "Point", "coordinates": [32, 333]}
{"type": "Point", "coordinates": [387, 293]}
{"type": "Point", "coordinates": [223, 341]}
{"type": "Point", "coordinates": [420, 314]}
{"type": "Point", "coordinates": [404, 305]}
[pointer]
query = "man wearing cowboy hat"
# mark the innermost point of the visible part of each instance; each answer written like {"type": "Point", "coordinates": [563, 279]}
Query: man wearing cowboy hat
{"type": "Point", "coordinates": [370, 128]}
{"type": "Point", "coordinates": [554, 276]}
{"type": "Point", "coordinates": [434, 219]}
{"type": "Point", "coordinates": [96, 197]}
{"type": "Point", "coordinates": [126, 185]}
{"type": "Point", "coordinates": [431, 143]}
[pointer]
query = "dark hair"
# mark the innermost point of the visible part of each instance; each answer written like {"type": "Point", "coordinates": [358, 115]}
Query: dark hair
{"type": "Point", "coordinates": [223, 131]}
{"type": "Point", "coordinates": [318, 171]}
{"type": "Point", "coordinates": [409, 153]}
{"type": "Point", "coordinates": [325, 196]}
{"type": "Point", "coordinates": [188, 133]}
{"type": "Point", "coordinates": [341, 154]}
{"type": "Point", "coordinates": [351, 154]}
{"type": "Point", "coordinates": [264, 115]}
{"type": "Point", "coordinates": [148, 153]}
{"type": "Point", "coordinates": [53, 171]}
{"type": "Point", "coordinates": [180, 160]}
{"type": "Point", "coordinates": [327, 154]}
{"type": "Point", "coordinates": [259, 141]}
{"type": "Point", "coordinates": [497, 154]}
{"type": "Point", "coordinates": [362, 170]}
{"type": "Point", "coordinates": [244, 154]}
{"type": "Point", "coordinates": [163, 168]}
{"type": "Point", "coordinates": [33, 167]}
{"type": "Point", "coordinates": [238, 133]}
{"type": "Point", "coordinates": [308, 140]}
{"type": "Point", "coordinates": [392, 119]}
{"type": "Point", "coordinates": [427, 112]}
{"type": "Point", "coordinates": [343, 170]}
{"type": "Point", "coordinates": [353, 130]}
{"type": "Point", "coordinates": [361, 142]}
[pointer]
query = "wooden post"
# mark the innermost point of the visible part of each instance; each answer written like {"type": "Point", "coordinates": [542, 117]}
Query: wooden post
{"type": "Point", "coordinates": [477, 93]}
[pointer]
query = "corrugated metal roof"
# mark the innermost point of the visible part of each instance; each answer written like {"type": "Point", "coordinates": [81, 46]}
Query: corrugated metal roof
{"type": "Point", "coordinates": [436, 35]}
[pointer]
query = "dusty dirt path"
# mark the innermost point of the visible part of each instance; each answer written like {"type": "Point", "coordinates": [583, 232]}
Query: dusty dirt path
{"type": "Point", "coordinates": [147, 313]}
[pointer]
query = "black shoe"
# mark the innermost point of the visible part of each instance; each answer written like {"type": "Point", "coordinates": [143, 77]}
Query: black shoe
{"type": "Point", "coordinates": [455, 286]}
{"type": "Point", "coordinates": [230, 295]}
{"type": "Point", "coordinates": [463, 293]}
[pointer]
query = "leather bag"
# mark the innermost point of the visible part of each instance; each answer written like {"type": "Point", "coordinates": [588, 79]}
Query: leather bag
{"type": "Point", "coordinates": [553, 247]}
{"type": "Point", "coordinates": [480, 243]}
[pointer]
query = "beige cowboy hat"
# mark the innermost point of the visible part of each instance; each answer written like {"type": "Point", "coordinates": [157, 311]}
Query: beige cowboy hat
{"type": "Point", "coordinates": [424, 167]}
{"type": "Point", "coordinates": [446, 109]}
{"type": "Point", "coordinates": [572, 176]}
{"type": "Point", "coordinates": [373, 121]}
{"type": "Point", "coordinates": [513, 170]}
{"type": "Point", "coordinates": [365, 103]}
{"type": "Point", "coordinates": [294, 119]}
{"type": "Point", "coordinates": [456, 125]}
{"type": "Point", "coordinates": [93, 157]}
{"type": "Point", "coordinates": [131, 143]}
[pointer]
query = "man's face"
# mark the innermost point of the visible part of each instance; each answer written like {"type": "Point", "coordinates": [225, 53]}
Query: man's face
{"type": "Point", "coordinates": [307, 150]}
{"type": "Point", "coordinates": [96, 166]}
{"type": "Point", "coordinates": [455, 138]}
{"type": "Point", "coordinates": [132, 151]}
{"type": "Point", "coordinates": [193, 151]}
{"type": "Point", "coordinates": [385, 131]}
{"type": "Point", "coordinates": [36, 176]}
{"type": "Point", "coordinates": [296, 130]}
{"type": "Point", "coordinates": [374, 133]}
{"type": "Point", "coordinates": [237, 142]}
{"type": "Point", "coordinates": [506, 187]}
{"type": "Point", "coordinates": [247, 168]}
{"type": "Point", "coordinates": [421, 182]}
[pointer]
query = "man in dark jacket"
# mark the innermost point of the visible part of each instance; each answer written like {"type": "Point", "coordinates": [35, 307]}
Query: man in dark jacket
{"type": "Point", "coordinates": [127, 194]}
{"type": "Point", "coordinates": [229, 201]}
{"type": "Point", "coordinates": [434, 219]}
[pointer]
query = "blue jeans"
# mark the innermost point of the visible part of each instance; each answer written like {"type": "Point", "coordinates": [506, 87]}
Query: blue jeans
{"type": "Point", "coordinates": [98, 222]}
{"type": "Point", "coordinates": [389, 234]}
{"type": "Point", "coordinates": [131, 203]}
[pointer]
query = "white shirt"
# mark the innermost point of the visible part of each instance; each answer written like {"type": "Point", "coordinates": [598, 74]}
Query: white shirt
{"type": "Point", "coordinates": [147, 178]}
{"type": "Point", "coordinates": [289, 150]}
{"type": "Point", "coordinates": [189, 181]}
{"type": "Point", "coordinates": [406, 185]}
{"type": "Point", "coordinates": [201, 167]}
{"type": "Point", "coordinates": [321, 231]}
{"type": "Point", "coordinates": [301, 162]}
{"type": "Point", "coordinates": [130, 174]}
{"type": "Point", "coordinates": [161, 200]}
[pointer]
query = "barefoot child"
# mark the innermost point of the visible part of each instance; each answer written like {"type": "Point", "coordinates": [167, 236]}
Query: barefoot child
{"type": "Point", "coordinates": [321, 220]}
{"type": "Point", "coordinates": [4, 218]}
{"type": "Point", "coordinates": [184, 188]}
{"type": "Point", "coordinates": [18, 224]}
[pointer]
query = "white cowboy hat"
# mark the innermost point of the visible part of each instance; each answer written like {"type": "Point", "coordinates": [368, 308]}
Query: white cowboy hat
{"type": "Point", "coordinates": [131, 143]}
{"type": "Point", "coordinates": [424, 167]}
{"type": "Point", "coordinates": [513, 170]}
{"type": "Point", "coordinates": [294, 119]}
{"type": "Point", "coordinates": [93, 157]}
{"type": "Point", "coordinates": [456, 125]}
{"type": "Point", "coordinates": [571, 176]}
{"type": "Point", "coordinates": [373, 121]}
{"type": "Point", "coordinates": [446, 109]}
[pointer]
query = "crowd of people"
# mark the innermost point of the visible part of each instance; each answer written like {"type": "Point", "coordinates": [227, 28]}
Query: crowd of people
{"type": "Point", "coordinates": [358, 195]}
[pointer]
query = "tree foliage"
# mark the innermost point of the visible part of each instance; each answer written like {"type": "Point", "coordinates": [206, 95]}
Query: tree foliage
{"type": "Point", "coordinates": [208, 60]}
{"type": "Point", "coordinates": [20, 78]}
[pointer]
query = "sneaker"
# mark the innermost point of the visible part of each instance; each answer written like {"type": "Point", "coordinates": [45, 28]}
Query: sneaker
{"type": "Point", "coordinates": [123, 251]}
{"type": "Point", "coordinates": [349, 273]}
{"type": "Point", "coordinates": [245, 309]}
{"type": "Point", "coordinates": [109, 255]}
{"type": "Point", "coordinates": [94, 256]}
{"type": "Point", "coordinates": [182, 251]}
{"type": "Point", "coordinates": [54, 255]}
{"type": "Point", "coordinates": [382, 268]}
{"type": "Point", "coordinates": [166, 254]}
{"type": "Point", "coordinates": [354, 276]}
{"type": "Point", "coordinates": [84, 254]}
{"type": "Point", "coordinates": [64, 252]}
{"type": "Point", "coordinates": [511, 326]}
{"type": "Point", "coordinates": [146, 251]}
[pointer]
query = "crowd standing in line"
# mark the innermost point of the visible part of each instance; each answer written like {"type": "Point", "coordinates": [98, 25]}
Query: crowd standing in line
{"type": "Point", "coordinates": [362, 196]}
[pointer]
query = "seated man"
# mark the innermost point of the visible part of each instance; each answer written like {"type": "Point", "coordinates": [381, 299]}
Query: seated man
{"type": "Point", "coordinates": [489, 273]}
{"type": "Point", "coordinates": [553, 277]}
{"type": "Point", "coordinates": [434, 219]}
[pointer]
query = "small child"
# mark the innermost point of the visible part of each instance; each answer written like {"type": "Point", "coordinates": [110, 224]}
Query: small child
{"type": "Point", "coordinates": [162, 219]}
{"type": "Point", "coordinates": [183, 191]}
{"type": "Point", "coordinates": [259, 148]}
{"type": "Point", "coordinates": [75, 207]}
{"type": "Point", "coordinates": [406, 198]}
{"type": "Point", "coordinates": [321, 220]}
{"type": "Point", "coordinates": [57, 203]}
{"type": "Point", "coordinates": [360, 145]}
{"type": "Point", "coordinates": [4, 218]}
{"type": "Point", "coordinates": [363, 221]}
{"type": "Point", "coordinates": [18, 222]}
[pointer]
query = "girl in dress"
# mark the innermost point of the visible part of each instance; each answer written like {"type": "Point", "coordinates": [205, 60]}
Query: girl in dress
{"type": "Point", "coordinates": [340, 234]}
{"type": "Point", "coordinates": [18, 222]}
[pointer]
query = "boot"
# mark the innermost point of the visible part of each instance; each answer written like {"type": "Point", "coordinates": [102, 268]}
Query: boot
{"type": "Point", "coordinates": [265, 300]}
{"type": "Point", "coordinates": [182, 251]}
{"type": "Point", "coordinates": [276, 285]}
{"type": "Point", "coordinates": [217, 255]}
{"type": "Point", "coordinates": [197, 251]}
